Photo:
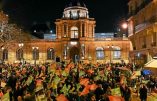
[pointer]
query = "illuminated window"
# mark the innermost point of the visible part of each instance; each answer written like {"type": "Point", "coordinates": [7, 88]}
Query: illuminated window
{"type": "Point", "coordinates": [116, 52]}
{"type": "Point", "coordinates": [74, 14]}
{"type": "Point", "coordinates": [99, 53]}
{"type": "Point", "coordinates": [73, 43]}
{"type": "Point", "coordinates": [50, 54]}
{"type": "Point", "coordinates": [35, 54]}
{"type": "Point", "coordinates": [74, 32]}
{"type": "Point", "coordinates": [5, 54]}
{"type": "Point", "coordinates": [19, 54]}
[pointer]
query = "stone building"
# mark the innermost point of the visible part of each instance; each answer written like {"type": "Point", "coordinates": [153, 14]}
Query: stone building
{"type": "Point", "coordinates": [75, 40]}
{"type": "Point", "coordinates": [142, 30]}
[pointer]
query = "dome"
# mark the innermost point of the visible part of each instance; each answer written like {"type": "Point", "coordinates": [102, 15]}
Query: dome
{"type": "Point", "coordinates": [75, 9]}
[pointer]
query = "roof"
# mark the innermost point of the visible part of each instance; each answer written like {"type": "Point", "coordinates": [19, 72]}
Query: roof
{"type": "Point", "coordinates": [151, 64]}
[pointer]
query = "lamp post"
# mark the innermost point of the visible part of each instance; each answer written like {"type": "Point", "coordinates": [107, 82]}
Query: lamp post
{"type": "Point", "coordinates": [2, 58]}
{"type": "Point", "coordinates": [67, 51]}
{"type": "Point", "coordinates": [35, 49]}
{"type": "Point", "coordinates": [110, 49]}
{"type": "Point", "coordinates": [124, 27]}
{"type": "Point", "coordinates": [50, 53]}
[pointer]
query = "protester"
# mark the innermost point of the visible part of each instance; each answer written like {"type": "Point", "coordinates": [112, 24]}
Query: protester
{"type": "Point", "coordinates": [143, 93]}
{"type": "Point", "coordinates": [66, 81]}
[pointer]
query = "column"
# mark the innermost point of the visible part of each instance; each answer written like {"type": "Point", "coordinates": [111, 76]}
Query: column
{"type": "Point", "coordinates": [93, 31]}
{"type": "Point", "coordinates": [85, 29]}
{"type": "Point", "coordinates": [67, 30]}
{"type": "Point", "coordinates": [81, 29]}
{"type": "Point", "coordinates": [63, 31]}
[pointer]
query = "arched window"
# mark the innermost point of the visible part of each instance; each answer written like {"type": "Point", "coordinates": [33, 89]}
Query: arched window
{"type": "Point", "coordinates": [5, 54]}
{"type": "Point", "coordinates": [35, 53]}
{"type": "Point", "coordinates": [74, 32]}
{"type": "Point", "coordinates": [116, 52]}
{"type": "Point", "coordinates": [50, 54]}
{"type": "Point", "coordinates": [19, 54]}
{"type": "Point", "coordinates": [99, 53]}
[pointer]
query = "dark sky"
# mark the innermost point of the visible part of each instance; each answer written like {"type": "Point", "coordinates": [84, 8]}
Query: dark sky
{"type": "Point", "coordinates": [107, 13]}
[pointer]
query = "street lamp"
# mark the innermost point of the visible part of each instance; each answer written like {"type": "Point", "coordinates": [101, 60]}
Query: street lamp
{"type": "Point", "coordinates": [35, 50]}
{"type": "Point", "coordinates": [110, 49]}
{"type": "Point", "coordinates": [66, 50]}
{"type": "Point", "coordinates": [50, 53]}
{"type": "Point", "coordinates": [21, 45]}
{"type": "Point", "coordinates": [83, 51]}
{"type": "Point", "coordinates": [2, 49]}
{"type": "Point", "coordinates": [124, 27]}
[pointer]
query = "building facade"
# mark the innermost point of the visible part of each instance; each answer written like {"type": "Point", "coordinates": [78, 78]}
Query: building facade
{"type": "Point", "coordinates": [75, 40]}
{"type": "Point", "coordinates": [142, 30]}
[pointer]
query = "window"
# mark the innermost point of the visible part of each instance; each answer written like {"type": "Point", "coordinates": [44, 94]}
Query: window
{"type": "Point", "coordinates": [99, 53]}
{"type": "Point", "coordinates": [50, 54]}
{"type": "Point", "coordinates": [65, 30]}
{"type": "Point", "coordinates": [116, 52]}
{"type": "Point", "coordinates": [154, 36]}
{"type": "Point", "coordinates": [19, 54]}
{"type": "Point", "coordinates": [74, 32]}
{"type": "Point", "coordinates": [83, 30]}
{"type": "Point", "coordinates": [5, 54]}
{"type": "Point", "coordinates": [35, 53]}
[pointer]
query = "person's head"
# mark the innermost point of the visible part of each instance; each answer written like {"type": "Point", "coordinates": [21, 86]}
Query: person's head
{"type": "Point", "coordinates": [142, 85]}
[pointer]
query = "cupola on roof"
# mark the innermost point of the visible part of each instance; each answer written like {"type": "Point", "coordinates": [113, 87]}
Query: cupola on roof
{"type": "Point", "coordinates": [75, 10]}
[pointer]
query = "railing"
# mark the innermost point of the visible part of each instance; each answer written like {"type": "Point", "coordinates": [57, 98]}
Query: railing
{"type": "Point", "coordinates": [145, 24]}
{"type": "Point", "coordinates": [108, 39]}
{"type": "Point", "coordinates": [43, 40]}
{"type": "Point", "coordinates": [141, 26]}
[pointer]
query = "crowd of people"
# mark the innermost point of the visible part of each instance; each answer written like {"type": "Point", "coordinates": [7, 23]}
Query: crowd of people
{"type": "Point", "coordinates": [68, 81]}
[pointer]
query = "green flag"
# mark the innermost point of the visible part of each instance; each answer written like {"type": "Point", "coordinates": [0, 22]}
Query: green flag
{"type": "Point", "coordinates": [6, 97]}
{"type": "Point", "coordinates": [29, 80]}
{"type": "Point", "coordinates": [81, 73]}
{"type": "Point", "coordinates": [116, 91]}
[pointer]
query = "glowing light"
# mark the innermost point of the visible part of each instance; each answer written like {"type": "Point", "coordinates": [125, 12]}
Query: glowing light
{"type": "Point", "coordinates": [124, 25]}
{"type": "Point", "coordinates": [73, 43]}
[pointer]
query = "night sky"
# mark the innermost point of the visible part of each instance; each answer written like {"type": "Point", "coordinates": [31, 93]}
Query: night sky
{"type": "Point", "coordinates": [107, 13]}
